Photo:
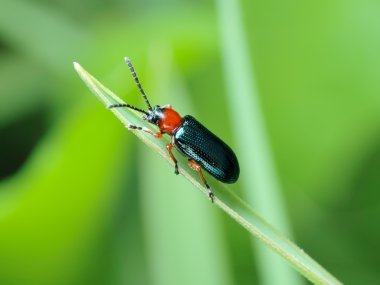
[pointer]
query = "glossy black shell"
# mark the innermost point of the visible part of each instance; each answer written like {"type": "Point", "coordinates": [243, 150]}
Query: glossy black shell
{"type": "Point", "coordinates": [201, 145]}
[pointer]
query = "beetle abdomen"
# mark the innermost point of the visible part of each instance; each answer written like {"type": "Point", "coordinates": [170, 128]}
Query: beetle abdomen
{"type": "Point", "coordinates": [201, 145]}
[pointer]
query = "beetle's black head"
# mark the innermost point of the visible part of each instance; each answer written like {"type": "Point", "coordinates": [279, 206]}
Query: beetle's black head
{"type": "Point", "coordinates": [155, 115]}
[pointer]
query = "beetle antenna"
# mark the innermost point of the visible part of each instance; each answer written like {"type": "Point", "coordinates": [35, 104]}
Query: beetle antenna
{"type": "Point", "coordinates": [138, 82]}
{"type": "Point", "coordinates": [128, 106]}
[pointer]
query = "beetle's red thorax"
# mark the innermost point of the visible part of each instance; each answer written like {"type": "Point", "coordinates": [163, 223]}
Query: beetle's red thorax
{"type": "Point", "coordinates": [170, 121]}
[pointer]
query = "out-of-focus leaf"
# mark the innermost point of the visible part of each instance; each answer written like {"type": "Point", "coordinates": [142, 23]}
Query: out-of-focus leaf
{"type": "Point", "coordinates": [40, 32]}
{"type": "Point", "coordinates": [54, 212]}
{"type": "Point", "coordinates": [257, 164]}
{"type": "Point", "coordinates": [19, 98]}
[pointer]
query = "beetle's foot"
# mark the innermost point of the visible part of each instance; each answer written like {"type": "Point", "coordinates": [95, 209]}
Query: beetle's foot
{"type": "Point", "coordinates": [176, 172]}
{"type": "Point", "coordinates": [130, 127]}
{"type": "Point", "coordinates": [211, 195]}
{"type": "Point", "coordinates": [158, 135]}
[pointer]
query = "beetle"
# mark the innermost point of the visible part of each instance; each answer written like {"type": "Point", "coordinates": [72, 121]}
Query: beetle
{"type": "Point", "coordinates": [203, 149]}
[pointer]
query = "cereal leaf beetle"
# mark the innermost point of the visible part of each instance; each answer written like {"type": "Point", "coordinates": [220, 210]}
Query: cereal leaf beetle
{"type": "Point", "coordinates": [202, 148]}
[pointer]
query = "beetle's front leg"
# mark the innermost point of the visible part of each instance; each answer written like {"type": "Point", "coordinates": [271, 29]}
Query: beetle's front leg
{"type": "Point", "coordinates": [133, 127]}
{"type": "Point", "coordinates": [169, 148]}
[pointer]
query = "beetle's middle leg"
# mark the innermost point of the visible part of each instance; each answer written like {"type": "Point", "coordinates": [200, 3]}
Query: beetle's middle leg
{"type": "Point", "coordinates": [195, 165]}
{"type": "Point", "coordinates": [169, 148]}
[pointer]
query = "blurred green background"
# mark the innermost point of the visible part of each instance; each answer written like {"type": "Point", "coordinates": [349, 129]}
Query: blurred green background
{"type": "Point", "coordinates": [83, 201]}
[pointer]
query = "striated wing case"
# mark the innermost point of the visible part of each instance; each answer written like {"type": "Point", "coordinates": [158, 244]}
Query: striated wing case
{"type": "Point", "coordinates": [201, 145]}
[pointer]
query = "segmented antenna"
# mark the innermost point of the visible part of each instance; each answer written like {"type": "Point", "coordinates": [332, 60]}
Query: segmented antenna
{"type": "Point", "coordinates": [128, 106]}
{"type": "Point", "coordinates": [137, 82]}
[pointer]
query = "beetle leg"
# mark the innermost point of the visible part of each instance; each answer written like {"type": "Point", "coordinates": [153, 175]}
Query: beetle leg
{"type": "Point", "coordinates": [195, 165]}
{"type": "Point", "coordinates": [132, 127]}
{"type": "Point", "coordinates": [169, 148]}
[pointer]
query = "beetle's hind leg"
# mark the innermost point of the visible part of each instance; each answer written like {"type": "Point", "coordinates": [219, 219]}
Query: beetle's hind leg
{"type": "Point", "coordinates": [169, 148]}
{"type": "Point", "coordinates": [195, 165]}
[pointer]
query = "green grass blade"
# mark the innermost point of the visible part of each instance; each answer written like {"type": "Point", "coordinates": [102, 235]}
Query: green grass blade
{"type": "Point", "coordinates": [225, 198]}
{"type": "Point", "coordinates": [257, 166]}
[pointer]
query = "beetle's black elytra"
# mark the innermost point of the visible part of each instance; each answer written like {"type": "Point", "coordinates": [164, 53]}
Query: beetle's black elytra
{"type": "Point", "coordinates": [198, 143]}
